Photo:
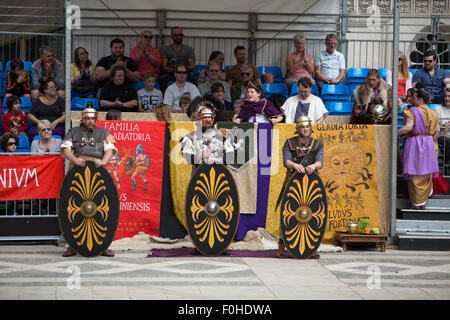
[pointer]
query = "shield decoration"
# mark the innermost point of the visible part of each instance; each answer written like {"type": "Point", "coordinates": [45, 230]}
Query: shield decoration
{"type": "Point", "coordinates": [243, 139]}
{"type": "Point", "coordinates": [88, 209]}
{"type": "Point", "coordinates": [303, 216]}
{"type": "Point", "coordinates": [212, 209]}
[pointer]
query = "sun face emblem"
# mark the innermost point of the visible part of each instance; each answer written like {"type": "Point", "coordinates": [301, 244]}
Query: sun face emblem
{"type": "Point", "coordinates": [90, 230]}
{"type": "Point", "coordinates": [211, 218]}
{"type": "Point", "coordinates": [301, 197]}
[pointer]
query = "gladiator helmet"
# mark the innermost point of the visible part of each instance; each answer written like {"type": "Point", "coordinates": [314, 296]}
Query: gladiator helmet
{"type": "Point", "coordinates": [303, 121]}
{"type": "Point", "coordinates": [89, 113]}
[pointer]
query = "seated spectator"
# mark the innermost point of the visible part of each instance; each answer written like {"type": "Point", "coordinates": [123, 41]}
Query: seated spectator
{"type": "Point", "coordinates": [304, 104]}
{"type": "Point", "coordinates": [149, 97]}
{"type": "Point", "coordinates": [372, 92]}
{"type": "Point", "coordinates": [435, 79]}
{"type": "Point", "coordinates": [218, 91]}
{"type": "Point", "coordinates": [404, 77]}
{"type": "Point", "coordinates": [238, 91]}
{"type": "Point", "coordinates": [118, 93]}
{"type": "Point", "coordinates": [47, 106]}
{"type": "Point", "coordinates": [148, 58]}
{"type": "Point", "coordinates": [175, 54]}
{"type": "Point", "coordinates": [18, 81]}
{"type": "Point", "coordinates": [234, 76]}
{"type": "Point", "coordinates": [15, 120]}
{"type": "Point", "coordinates": [213, 71]}
{"type": "Point", "coordinates": [256, 109]}
{"type": "Point", "coordinates": [48, 68]}
{"type": "Point", "coordinates": [330, 63]}
{"type": "Point", "coordinates": [443, 113]}
{"type": "Point", "coordinates": [82, 73]}
{"type": "Point", "coordinates": [180, 88]}
{"type": "Point", "coordinates": [299, 64]}
{"type": "Point", "coordinates": [117, 58]}
{"type": "Point", "coordinates": [214, 57]}
{"type": "Point", "coordinates": [185, 101]}
{"type": "Point", "coordinates": [46, 143]}
{"type": "Point", "coordinates": [9, 142]}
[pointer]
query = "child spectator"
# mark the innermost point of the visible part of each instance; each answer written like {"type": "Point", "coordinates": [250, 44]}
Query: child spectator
{"type": "Point", "coordinates": [18, 81]}
{"type": "Point", "coordinates": [185, 101]}
{"type": "Point", "coordinates": [149, 97]}
{"type": "Point", "coordinates": [15, 120]}
{"type": "Point", "coordinates": [114, 114]}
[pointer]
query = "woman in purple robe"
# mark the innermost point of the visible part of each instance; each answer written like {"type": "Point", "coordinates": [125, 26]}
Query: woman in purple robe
{"type": "Point", "coordinates": [256, 109]}
{"type": "Point", "coordinates": [419, 159]}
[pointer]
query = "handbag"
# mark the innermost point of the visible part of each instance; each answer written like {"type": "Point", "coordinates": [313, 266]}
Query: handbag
{"type": "Point", "coordinates": [440, 185]}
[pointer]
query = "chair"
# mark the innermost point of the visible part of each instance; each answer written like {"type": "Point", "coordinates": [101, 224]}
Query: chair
{"type": "Point", "coordinates": [227, 67]}
{"type": "Point", "coordinates": [275, 88]}
{"type": "Point", "coordinates": [351, 89]}
{"type": "Point", "coordinates": [339, 108]}
{"type": "Point", "coordinates": [413, 71]}
{"type": "Point", "coordinates": [357, 75]}
{"type": "Point", "coordinates": [38, 137]}
{"type": "Point", "coordinates": [79, 104]}
{"type": "Point", "coordinates": [139, 85]}
{"type": "Point", "coordinates": [383, 72]}
{"type": "Point", "coordinates": [25, 102]}
{"type": "Point", "coordinates": [24, 144]}
{"type": "Point", "coordinates": [199, 68]}
{"type": "Point", "coordinates": [314, 90]}
{"type": "Point", "coordinates": [335, 92]}
{"type": "Point", "coordinates": [276, 71]}
{"type": "Point", "coordinates": [433, 106]}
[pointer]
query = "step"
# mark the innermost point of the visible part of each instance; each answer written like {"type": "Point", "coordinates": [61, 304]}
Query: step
{"type": "Point", "coordinates": [438, 201]}
{"type": "Point", "coordinates": [424, 241]}
{"type": "Point", "coordinates": [404, 226]}
{"type": "Point", "coordinates": [429, 213]}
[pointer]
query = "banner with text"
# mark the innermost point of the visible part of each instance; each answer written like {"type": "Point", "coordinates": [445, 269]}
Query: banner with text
{"type": "Point", "coordinates": [30, 177]}
{"type": "Point", "coordinates": [137, 169]}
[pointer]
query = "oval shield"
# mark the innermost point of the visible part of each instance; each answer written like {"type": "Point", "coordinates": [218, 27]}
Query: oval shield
{"type": "Point", "coordinates": [88, 209]}
{"type": "Point", "coordinates": [212, 209]}
{"type": "Point", "coordinates": [303, 216]}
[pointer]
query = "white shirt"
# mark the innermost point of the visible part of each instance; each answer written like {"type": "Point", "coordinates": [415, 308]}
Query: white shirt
{"type": "Point", "coordinates": [444, 116]}
{"type": "Point", "coordinates": [316, 108]}
{"type": "Point", "coordinates": [173, 94]}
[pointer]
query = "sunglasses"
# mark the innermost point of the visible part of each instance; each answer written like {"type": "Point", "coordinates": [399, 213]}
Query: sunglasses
{"type": "Point", "coordinates": [178, 35]}
{"type": "Point", "coordinates": [148, 37]}
{"type": "Point", "coordinates": [13, 143]}
{"type": "Point", "coordinates": [181, 72]}
{"type": "Point", "coordinates": [83, 53]}
{"type": "Point", "coordinates": [245, 73]}
{"type": "Point", "coordinates": [46, 129]}
{"type": "Point", "coordinates": [428, 61]}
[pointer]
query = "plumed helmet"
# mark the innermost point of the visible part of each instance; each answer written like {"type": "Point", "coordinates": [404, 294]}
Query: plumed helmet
{"type": "Point", "coordinates": [89, 112]}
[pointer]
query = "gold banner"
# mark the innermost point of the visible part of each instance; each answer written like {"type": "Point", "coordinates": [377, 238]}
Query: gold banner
{"type": "Point", "coordinates": [349, 175]}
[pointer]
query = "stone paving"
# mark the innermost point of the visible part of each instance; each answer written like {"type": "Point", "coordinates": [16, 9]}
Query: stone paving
{"type": "Point", "coordinates": [40, 272]}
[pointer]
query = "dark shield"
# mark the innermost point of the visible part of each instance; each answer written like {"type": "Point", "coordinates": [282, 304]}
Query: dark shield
{"type": "Point", "coordinates": [303, 216]}
{"type": "Point", "coordinates": [88, 209]}
{"type": "Point", "coordinates": [212, 209]}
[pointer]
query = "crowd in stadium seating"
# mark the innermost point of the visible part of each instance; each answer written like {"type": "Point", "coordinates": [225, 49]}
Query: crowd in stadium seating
{"type": "Point", "coordinates": [149, 79]}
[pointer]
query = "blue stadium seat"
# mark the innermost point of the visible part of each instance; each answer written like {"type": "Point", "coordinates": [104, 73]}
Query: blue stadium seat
{"type": "Point", "coordinates": [383, 72]}
{"type": "Point", "coordinates": [79, 104]}
{"type": "Point", "coordinates": [199, 68]}
{"type": "Point", "coordinates": [25, 102]}
{"type": "Point", "coordinates": [314, 90]}
{"type": "Point", "coordinates": [276, 71]}
{"type": "Point", "coordinates": [433, 106]}
{"type": "Point", "coordinates": [275, 88]}
{"type": "Point", "coordinates": [141, 85]}
{"type": "Point", "coordinates": [335, 92]}
{"type": "Point", "coordinates": [24, 144]}
{"type": "Point", "coordinates": [351, 89]}
{"type": "Point", "coordinates": [413, 71]}
{"type": "Point", "coordinates": [38, 137]}
{"type": "Point", "coordinates": [227, 67]}
{"type": "Point", "coordinates": [357, 75]}
{"type": "Point", "coordinates": [339, 108]}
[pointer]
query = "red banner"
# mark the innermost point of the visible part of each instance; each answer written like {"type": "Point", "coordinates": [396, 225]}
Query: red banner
{"type": "Point", "coordinates": [30, 177]}
{"type": "Point", "coordinates": [138, 172]}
